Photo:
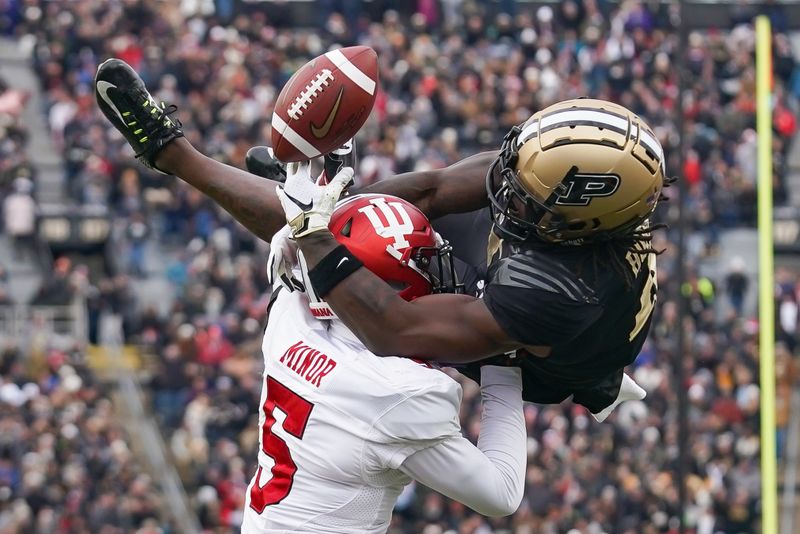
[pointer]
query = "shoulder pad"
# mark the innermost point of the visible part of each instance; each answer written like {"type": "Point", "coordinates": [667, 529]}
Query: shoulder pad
{"type": "Point", "coordinates": [533, 270]}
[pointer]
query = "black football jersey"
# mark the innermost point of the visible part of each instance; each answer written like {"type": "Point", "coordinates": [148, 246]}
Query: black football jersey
{"type": "Point", "coordinates": [468, 234]}
{"type": "Point", "coordinates": [566, 298]}
{"type": "Point", "coordinates": [561, 297]}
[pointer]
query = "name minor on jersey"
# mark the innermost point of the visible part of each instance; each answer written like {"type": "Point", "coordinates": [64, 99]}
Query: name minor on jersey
{"type": "Point", "coordinates": [309, 363]}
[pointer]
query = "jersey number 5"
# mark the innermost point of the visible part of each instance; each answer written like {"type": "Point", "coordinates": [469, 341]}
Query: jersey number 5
{"type": "Point", "coordinates": [297, 411]}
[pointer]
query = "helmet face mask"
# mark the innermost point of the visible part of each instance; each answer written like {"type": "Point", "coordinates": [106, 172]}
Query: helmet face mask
{"type": "Point", "coordinates": [515, 213]}
{"type": "Point", "coordinates": [579, 171]}
{"type": "Point", "coordinates": [442, 273]}
{"type": "Point", "coordinates": [394, 240]}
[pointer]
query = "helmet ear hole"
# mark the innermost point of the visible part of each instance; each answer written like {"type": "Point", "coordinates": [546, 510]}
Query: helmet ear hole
{"type": "Point", "coordinates": [347, 228]}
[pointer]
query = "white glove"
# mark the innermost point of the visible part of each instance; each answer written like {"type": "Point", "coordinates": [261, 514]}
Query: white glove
{"type": "Point", "coordinates": [308, 207]}
{"type": "Point", "coordinates": [628, 390]}
{"type": "Point", "coordinates": [282, 257]}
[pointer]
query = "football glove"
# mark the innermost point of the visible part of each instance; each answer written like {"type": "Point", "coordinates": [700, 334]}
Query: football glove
{"type": "Point", "coordinates": [308, 207]}
{"type": "Point", "coordinates": [261, 161]}
{"type": "Point", "coordinates": [628, 390]}
{"type": "Point", "coordinates": [344, 156]}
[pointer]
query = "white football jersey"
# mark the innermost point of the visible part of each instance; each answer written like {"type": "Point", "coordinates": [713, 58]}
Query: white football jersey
{"type": "Point", "coordinates": [336, 422]}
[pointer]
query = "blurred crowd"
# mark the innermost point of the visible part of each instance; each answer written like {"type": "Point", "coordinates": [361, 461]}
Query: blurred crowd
{"type": "Point", "coordinates": [17, 204]}
{"type": "Point", "coordinates": [65, 460]}
{"type": "Point", "coordinates": [455, 76]}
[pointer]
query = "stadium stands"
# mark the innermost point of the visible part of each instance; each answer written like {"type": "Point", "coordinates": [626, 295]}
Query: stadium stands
{"type": "Point", "coordinates": [454, 78]}
{"type": "Point", "coordinates": [65, 460]}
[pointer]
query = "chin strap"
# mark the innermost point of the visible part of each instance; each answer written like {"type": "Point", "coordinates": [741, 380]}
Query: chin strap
{"type": "Point", "coordinates": [406, 260]}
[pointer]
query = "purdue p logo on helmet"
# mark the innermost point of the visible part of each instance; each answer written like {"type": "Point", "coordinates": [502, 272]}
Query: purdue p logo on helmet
{"type": "Point", "coordinates": [578, 171]}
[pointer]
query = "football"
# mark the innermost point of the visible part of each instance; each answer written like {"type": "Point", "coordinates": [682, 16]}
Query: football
{"type": "Point", "coordinates": [325, 103]}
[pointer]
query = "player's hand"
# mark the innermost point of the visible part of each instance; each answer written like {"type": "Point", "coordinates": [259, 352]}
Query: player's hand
{"type": "Point", "coordinates": [261, 161]}
{"type": "Point", "coordinates": [282, 257]}
{"type": "Point", "coordinates": [344, 156]}
{"type": "Point", "coordinates": [308, 206]}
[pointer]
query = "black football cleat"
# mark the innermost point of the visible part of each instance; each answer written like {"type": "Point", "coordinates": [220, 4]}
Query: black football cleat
{"type": "Point", "coordinates": [260, 161]}
{"type": "Point", "coordinates": [125, 101]}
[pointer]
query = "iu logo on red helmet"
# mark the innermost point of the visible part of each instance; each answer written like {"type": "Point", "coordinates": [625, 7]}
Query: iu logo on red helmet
{"type": "Point", "coordinates": [394, 240]}
{"type": "Point", "coordinates": [395, 222]}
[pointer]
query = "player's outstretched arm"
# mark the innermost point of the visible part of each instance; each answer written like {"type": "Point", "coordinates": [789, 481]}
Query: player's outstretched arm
{"type": "Point", "coordinates": [252, 201]}
{"type": "Point", "coordinates": [449, 328]}
{"type": "Point", "coordinates": [489, 478]}
{"type": "Point", "coordinates": [249, 199]}
{"type": "Point", "coordinates": [459, 188]}
{"type": "Point", "coordinates": [158, 141]}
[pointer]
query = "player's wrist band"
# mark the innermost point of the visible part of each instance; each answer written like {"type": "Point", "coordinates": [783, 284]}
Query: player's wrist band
{"type": "Point", "coordinates": [332, 269]}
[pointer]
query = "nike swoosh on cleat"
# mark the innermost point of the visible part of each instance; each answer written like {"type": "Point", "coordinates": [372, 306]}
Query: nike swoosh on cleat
{"type": "Point", "coordinates": [302, 205]}
{"type": "Point", "coordinates": [321, 131]}
{"type": "Point", "coordinates": [102, 89]}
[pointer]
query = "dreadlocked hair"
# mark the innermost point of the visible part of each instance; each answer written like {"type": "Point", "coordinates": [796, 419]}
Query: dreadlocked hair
{"type": "Point", "coordinates": [621, 252]}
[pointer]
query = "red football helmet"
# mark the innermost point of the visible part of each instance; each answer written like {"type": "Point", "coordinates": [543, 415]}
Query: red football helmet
{"type": "Point", "coordinates": [394, 240]}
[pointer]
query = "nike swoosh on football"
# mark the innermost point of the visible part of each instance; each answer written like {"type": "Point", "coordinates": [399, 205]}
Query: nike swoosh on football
{"type": "Point", "coordinates": [102, 88]}
{"type": "Point", "coordinates": [302, 205]}
{"type": "Point", "coordinates": [321, 131]}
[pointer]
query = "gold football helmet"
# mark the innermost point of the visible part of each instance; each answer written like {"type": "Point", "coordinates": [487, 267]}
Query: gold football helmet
{"type": "Point", "coordinates": [578, 171]}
